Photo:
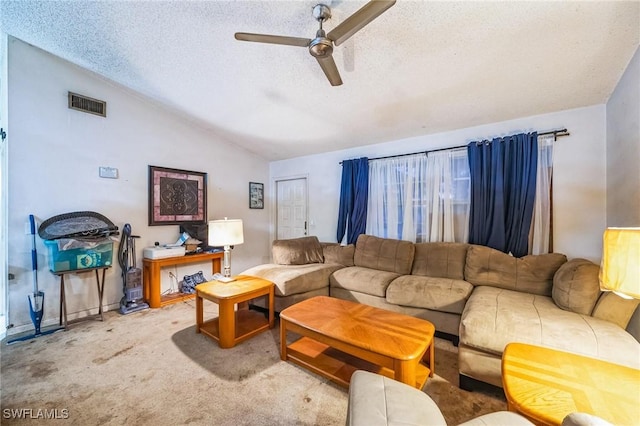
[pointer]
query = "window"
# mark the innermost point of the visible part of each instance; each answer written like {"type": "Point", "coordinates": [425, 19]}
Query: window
{"type": "Point", "coordinates": [426, 198]}
{"type": "Point", "coordinates": [420, 197]}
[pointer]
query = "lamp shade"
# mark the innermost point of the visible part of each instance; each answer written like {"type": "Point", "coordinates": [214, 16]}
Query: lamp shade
{"type": "Point", "coordinates": [225, 232]}
{"type": "Point", "coordinates": [620, 269]}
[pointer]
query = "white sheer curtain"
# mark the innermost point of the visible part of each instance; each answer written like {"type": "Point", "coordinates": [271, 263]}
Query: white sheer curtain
{"type": "Point", "coordinates": [448, 194]}
{"type": "Point", "coordinates": [541, 223]}
{"type": "Point", "coordinates": [420, 198]}
{"type": "Point", "coordinates": [397, 197]}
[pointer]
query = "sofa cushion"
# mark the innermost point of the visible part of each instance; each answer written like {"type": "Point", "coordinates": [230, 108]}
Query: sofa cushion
{"type": "Point", "coordinates": [384, 254]}
{"type": "Point", "coordinates": [530, 274]}
{"type": "Point", "coordinates": [494, 317]}
{"type": "Point", "coordinates": [438, 294]}
{"type": "Point", "coordinates": [444, 260]}
{"type": "Point", "coordinates": [363, 280]}
{"type": "Point", "coordinates": [294, 279]}
{"type": "Point", "coordinates": [336, 253]}
{"type": "Point", "coordinates": [576, 286]}
{"type": "Point", "coordinates": [611, 307]}
{"type": "Point", "coordinates": [297, 251]}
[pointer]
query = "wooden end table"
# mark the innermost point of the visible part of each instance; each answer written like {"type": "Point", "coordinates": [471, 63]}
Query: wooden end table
{"type": "Point", "coordinates": [232, 327]}
{"type": "Point", "coordinates": [545, 385]}
{"type": "Point", "coordinates": [340, 337]}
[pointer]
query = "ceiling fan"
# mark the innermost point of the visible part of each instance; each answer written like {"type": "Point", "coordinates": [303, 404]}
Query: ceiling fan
{"type": "Point", "coordinates": [321, 47]}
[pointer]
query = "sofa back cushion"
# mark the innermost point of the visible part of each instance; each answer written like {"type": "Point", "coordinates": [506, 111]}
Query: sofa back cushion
{"type": "Point", "coordinates": [440, 260]}
{"type": "Point", "coordinates": [384, 254]}
{"type": "Point", "coordinates": [530, 274]}
{"type": "Point", "coordinates": [613, 308]}
{"type": "Point", "coordinates": [576, 286]}
{"type": "Point", "coordinates": [297, 251]}
{"type": "Point", "coordinates": [336, 253]}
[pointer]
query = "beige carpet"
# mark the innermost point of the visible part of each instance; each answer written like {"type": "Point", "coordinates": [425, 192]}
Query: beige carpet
{"type": "Point", "coordinates": [151, 368]}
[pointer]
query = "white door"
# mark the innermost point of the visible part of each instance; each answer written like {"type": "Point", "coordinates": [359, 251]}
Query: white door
{"type": "Point", "coordinates": [291, 208]}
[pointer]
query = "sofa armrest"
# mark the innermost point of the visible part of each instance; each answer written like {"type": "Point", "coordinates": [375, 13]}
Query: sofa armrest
{"type": "Point", "coordinates": [375, 400]}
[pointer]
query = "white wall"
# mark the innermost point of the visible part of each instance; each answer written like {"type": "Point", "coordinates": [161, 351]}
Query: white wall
{"type": "Point", "coordinates": [578, 181]}
{"type": "Point", "coordinates": [54, 155]}
{"type": "Point", "coordinates": [623, 149]}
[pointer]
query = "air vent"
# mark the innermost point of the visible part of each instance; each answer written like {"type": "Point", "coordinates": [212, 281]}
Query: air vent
{"type": "Point", "coordinates": [86, 104]}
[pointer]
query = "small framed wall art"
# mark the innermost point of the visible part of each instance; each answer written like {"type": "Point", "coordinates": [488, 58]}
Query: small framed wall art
{"type": "Point", "coordinates": [176, 196]}
{"type": "Point", "coordinates": [256, 195]}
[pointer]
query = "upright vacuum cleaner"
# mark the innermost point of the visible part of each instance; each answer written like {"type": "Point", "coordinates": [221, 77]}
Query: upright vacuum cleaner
{"type": "Point", "coordinates": [133, 300]}
{"type": "Point", "coordinates": [36, 300]}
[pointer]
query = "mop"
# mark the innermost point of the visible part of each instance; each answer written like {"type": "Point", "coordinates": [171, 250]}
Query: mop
{"type": "Point", "coordinates": [36, 300]}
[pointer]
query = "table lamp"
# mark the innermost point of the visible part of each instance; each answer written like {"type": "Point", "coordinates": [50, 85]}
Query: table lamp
{"type": "Point", "coordinates": [620, 269]}
{"type": "Point", "coordinates": [226, 233]}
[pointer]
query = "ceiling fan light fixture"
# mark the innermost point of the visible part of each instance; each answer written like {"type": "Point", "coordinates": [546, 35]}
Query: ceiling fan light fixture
{"type": "Point", "coordinates": [320, 47]}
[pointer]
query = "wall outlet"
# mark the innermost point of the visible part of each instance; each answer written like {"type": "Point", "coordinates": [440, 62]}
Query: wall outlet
{"type": "Point", "coordinates": [108, 172]}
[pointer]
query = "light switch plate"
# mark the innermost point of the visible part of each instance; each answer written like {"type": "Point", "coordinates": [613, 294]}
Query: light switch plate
{"type": "Point", "coordinates": [108, 172]}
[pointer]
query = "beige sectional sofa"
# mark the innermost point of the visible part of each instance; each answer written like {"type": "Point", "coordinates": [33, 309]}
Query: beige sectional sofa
{"type": "Point", "coordinates": [481, 296]}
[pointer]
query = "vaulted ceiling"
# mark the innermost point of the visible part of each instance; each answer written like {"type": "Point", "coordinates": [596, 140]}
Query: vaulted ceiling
{"type": "Point", "coordinates": [421, 67]}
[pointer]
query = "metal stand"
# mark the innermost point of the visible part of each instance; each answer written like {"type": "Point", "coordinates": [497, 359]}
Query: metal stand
{"type": "Point", "coordinates": [63, 300]}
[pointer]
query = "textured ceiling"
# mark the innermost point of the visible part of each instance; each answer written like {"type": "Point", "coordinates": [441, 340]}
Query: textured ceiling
{"type": "Point", "coordinates": [420, 68]}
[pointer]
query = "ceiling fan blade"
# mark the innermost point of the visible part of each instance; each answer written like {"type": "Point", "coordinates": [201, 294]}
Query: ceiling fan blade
{"type": "Point", "coordinates": [328, 65]}
{"type": "Point", "coordinates": [273, 39]}
{"type": "Point", "coordinates": [358, 20]}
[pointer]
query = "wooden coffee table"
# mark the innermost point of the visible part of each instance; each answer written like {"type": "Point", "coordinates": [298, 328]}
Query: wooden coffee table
{"type": "Point", "coordinates": [233, 326]}
{"type": "Point", "coordinates": [545, 385]}
{"type": "Point", "coordinates": [340, 337]}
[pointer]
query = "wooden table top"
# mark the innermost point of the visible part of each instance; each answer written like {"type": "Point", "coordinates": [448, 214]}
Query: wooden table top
{"type": "Point", "coordinates": [546, 384]}
{"type": "Point", "coordinates": [377, 330]}
{"type": "Point", "coordinates": [243, 284]}
{"type": "Point", "coordinates": [187, 258]}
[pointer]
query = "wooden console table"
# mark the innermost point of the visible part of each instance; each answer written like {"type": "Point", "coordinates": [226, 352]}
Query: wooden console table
{"type": "Point", "coordinates": [151, 276]}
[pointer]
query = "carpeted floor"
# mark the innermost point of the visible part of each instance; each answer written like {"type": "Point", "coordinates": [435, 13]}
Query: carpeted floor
{"type": "Point", "coordinates": [151, 368]}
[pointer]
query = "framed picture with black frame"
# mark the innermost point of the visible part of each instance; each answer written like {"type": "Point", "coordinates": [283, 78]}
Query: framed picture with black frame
{"type": "Point", "coordinates": [256, 195]}
{"type": "Point", "coordinates": [176, 196]}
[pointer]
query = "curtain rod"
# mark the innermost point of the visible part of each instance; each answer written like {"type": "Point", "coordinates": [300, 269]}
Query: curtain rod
{"type": "Point", "coordinates": [556, 134]}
